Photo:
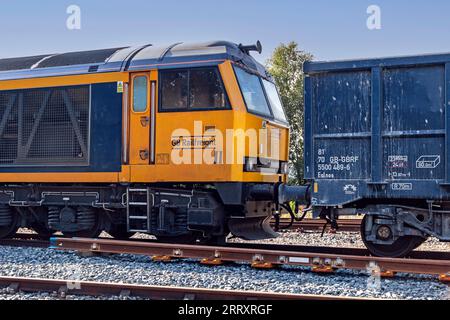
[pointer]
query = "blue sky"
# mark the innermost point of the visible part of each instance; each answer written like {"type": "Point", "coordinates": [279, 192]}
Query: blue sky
{"type": "Point", "coordinates": [328, 29]}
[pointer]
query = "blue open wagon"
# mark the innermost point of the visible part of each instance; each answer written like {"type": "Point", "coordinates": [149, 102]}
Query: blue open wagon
{"type": "Point", "coordinates": [377, 143]}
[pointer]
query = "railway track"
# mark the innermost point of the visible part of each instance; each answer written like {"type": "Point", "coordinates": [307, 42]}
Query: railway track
{"type": "Point", "coordinates": [30, 240]}
{"type": "Point", "coordinates": [262, 256]}
{"type": "Point", "coordinates": [268, 256]}
{"type": "Point", "coordinates": [65, 287]}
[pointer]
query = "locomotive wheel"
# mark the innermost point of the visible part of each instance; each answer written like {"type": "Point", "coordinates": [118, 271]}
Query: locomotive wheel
{"type": "Point", "coordinates": [42, 231]}
{"type": "Point", "coordinates": [9, 230]}
{"type": "Point", "coordinates": [216, 240]}
{"type": "Point", "coordinates": [184, 239]}
{"type": "Point", "coordinates": [120, 232]}
{"type": "Point", "coordinates": [93, 232]}
{"type": "Point", "coordinates": [399, 249]}
{"type": "Point", "coordinates": [193, 239]}
{"type": "Point", "coordinates": [419, 242]}
{"type": "Point", "coordinates": [41, 225]}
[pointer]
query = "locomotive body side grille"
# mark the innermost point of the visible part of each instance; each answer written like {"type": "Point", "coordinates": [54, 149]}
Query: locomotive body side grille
{"type": "Point", "coordinates": [45, 126]}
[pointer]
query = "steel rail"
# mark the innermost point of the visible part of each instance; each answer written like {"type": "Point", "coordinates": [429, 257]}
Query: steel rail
{"type": "Point", "coordinates": [64, 287]}
{"type": "Point", "coordinates": [258, 258]}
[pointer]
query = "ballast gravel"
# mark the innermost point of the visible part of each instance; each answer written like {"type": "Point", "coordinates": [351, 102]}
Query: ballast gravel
{"type": "Point", "coordinates": [48, 263]}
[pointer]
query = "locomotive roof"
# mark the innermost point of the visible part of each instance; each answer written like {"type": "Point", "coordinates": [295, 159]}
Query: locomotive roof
{"type": "Point", "coordinates": [126, 59]}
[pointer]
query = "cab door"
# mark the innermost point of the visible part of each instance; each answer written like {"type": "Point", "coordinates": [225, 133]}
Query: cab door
{"type": "Point", "coordinates": [142, 115]}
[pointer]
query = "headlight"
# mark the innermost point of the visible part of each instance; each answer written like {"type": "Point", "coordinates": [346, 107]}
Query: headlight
{"type": "Point", "coordinates": [285, 168]}
{"type": "Point", "coordinates": [251, 165]}
{"type": "Point", "coordinates": [266, 166]}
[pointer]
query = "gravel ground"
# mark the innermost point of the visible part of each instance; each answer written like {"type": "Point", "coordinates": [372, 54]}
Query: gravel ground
{"type": "Point", "coordinates": [47, 263]}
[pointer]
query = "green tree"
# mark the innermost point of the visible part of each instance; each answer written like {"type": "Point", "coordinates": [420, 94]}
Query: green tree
{"type": "Point", "coordinates": [286, 67]}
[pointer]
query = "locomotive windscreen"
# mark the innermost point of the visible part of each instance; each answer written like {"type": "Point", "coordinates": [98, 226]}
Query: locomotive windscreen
{"type": "Point", "coordinates": [45, 126]}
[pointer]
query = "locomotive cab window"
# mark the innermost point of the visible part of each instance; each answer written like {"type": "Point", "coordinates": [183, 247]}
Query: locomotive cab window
{"type": "Point", "coordinates": [275, 101]}
{"type": "Point", "coordinates": [140, 93]}
{"type": "Point", "coordinates": [260, 95]}
{"type": "Point", "coordinates": [192, 89]}
{"type": "Point", "coordinates": [253, 92]}
{"type": "Point", "coordinates": [174, 90]}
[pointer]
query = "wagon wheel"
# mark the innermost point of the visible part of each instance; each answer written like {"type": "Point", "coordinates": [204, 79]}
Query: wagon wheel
{"type": "Point", "coordinates": [400, 248]}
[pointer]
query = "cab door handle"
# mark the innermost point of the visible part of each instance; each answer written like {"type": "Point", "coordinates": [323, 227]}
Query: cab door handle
{"type": "Point", "coordinates": [145, 121]}
{"type": "Point", "coordinates": [144, 154]}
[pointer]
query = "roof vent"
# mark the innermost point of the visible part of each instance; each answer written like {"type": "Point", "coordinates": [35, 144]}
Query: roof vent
{"type": "Point", "coordinates": [254, 47]}
{"type": "Point", "coordinates": [93, 68]}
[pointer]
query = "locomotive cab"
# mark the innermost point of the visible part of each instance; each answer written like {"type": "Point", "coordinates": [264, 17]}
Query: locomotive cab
{"type": "Point", "coordinates": [219, 125]}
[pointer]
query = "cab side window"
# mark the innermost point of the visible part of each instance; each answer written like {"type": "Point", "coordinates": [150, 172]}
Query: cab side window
{"type": "Point", "coordinates": [174, 89]}
{"type": "Point", "coordinates": [206, 89]}
{"type": "Point", "coordinates": [140, 93]}
{"type": "Point", "coordinates": [192, 89]}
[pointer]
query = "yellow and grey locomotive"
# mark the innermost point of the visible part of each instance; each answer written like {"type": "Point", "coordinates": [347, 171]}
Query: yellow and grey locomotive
{"type": "Point", "coordinates": [183, 142]}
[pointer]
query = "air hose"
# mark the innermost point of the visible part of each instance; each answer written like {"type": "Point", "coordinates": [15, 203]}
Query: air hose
{"type": "Point", "coordinates": [294, 215]}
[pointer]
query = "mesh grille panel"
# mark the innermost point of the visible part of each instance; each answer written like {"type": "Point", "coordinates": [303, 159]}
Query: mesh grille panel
{"type": "Point", "coordinates": [44, 126]}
